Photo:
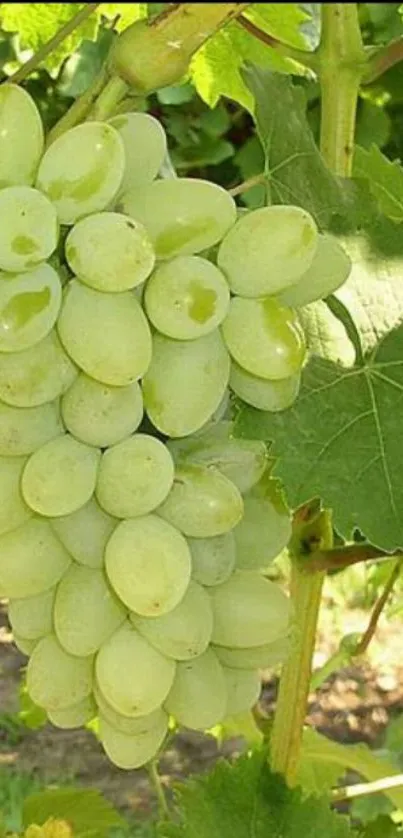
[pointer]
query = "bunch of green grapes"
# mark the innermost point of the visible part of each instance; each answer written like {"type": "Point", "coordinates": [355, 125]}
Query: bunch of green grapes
{"type": "Point", "coordinates": [134, 527]}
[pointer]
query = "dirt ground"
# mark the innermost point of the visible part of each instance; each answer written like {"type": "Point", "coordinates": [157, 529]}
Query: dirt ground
{"type": "Point", "coordinates": [354, 705]}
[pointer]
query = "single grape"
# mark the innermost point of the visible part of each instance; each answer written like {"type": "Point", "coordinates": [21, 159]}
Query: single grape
{"type": "Point", "coordinates": [182, 215]}
{"type": "Point", "coordinates": [110, 252]}
{"type": "Point", "coordinates": [29, 230]}
{"type": "Point", "coordinates": [264, 338]}
{"type": "Point", "coordinates": [127, 724]}
{"type": "Point", "coordinates": [329, 270]}
{"type": "Point", "coordinates": [132, 751]}
{"type": "Point", "coordinates": [267, 250]}
{"type": "Point", "coordinates": [99, 414]}
{"type": "Point", "coordinates": [21, 136]}
{"type": "Point", "coordinates": [186, 631]}
{"type": "Point", "coordinates": [36, 375]}
{"type": "Point", "coordinates": [82, 170]}
{"type": "Point", "coordinates": [248, 610]}
{"type": "Point", "coordinates": [32, 617]}
{"type": "Point", "coordinates": [243, 461]}
{"type": "Point", "coordinates": [86, 612]}
{"type": "Point", "coordinates": [55, 679]}
{"type": "Point", "coordinates": [186, 297]}
{"type": "Point", "coordinates": [266, 656]}
{"type": "Point", "coordinates": [24, 645]}
{"type": "Point", "coordinates": [148, 564]}
{"type": "Point", "coordinates": [13, 509]}
{"type": "Point", "coordinates": [135, 476]}
{"type": "Point", "coordinates": [265, 528]}
{"type": "Point", "coordinates": [263, 393]}
{"type": "Point", "coordinates": [60, 477]}
{"type": "Point", "coordinates": [198, 697]}
{"type": "Point", "coordinates": [243, 689]}
{"type": "Point", "coordinates": [145, 146]}
{"type": "Point", "coordinates": [202, 502]}
{"type": "Point", "coordinates": [106, 335]}
{"type": "Point", "coordinates": [24, 430]}
{"type": "Point", "coordinates": [185, 382]}
{"type": "Point", "coordinates": [85, 533]}
{"type": "Point", "coordinates": [132, 676]}
{"type": "Point", "coordinates": [29, 305]}
{"type": "Point", "coordinates": [77, 715]}
{"type": "Point", "coordinates": [32, 560]}
{"type": "Point", "coordinates": [213, 559]}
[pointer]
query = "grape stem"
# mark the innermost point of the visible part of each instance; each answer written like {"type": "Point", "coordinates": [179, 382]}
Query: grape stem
{"type": "Point", "coordinates": [363, 644]}
{"type": "Point", "coordinates": [156, 782]}
{"type": "Point", "coordinates": [52, 44]}
{"type": "Point", "coordinates": [256, 180]}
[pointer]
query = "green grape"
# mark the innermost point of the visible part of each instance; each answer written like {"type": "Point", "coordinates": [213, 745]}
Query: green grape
{"type": "Point", "coordinates": [266, 656]}
{"type": "Point", "coordinates": [186, 297]}
{"type": "Point", "coordinates": [29, 230]}
{"type": "Point", "coordinates": [32, 560]}
{"type": "Point", "coordinates": [37, 375]}
{"type": "Point", "coordinates": [130, 725]}
{"type": "Point", "coordinates": [82, 170]}
{"type": "Point", "coordinates": [23, 430]}
{"type": "Point", "coordinates": [24, 645]}
{"type": "Point", "coordinates": [132, 676]}
{"type": "Point", "coordinates": [198, 697]}
{"type": "Point", "coordinates": [106, 335]}
{"type": "Point", "coordinates": [110, 252]}
{"type": "Point", "coordinates": [100, 414]}
{"type": "Point", "coordinates": [77, 715]}
{"type": "Point", "coordinates": [86, 611]}
{"type": "Point", "coordinates": [267, 250]}
{"type": "Point", "coordinates": [202, 502]}
{"type": "Point", "coordinates": [145, 146]}
{"type": "Point", "coordinates": [13, 509]}
{"type": "Point", "coordinates": [60, 477]}
{"type": "Point", "coordinates": [265, 528]}
{"type": "Point", "coordinates": [262, 393]}
{"type": "Point", "coordinates": [29, 305]}
{"type": "Point", "coordinates": [213, 559]}
{"type": "Point", "coordinates": [85, 533]}
{"type": "Point", "coordinates": [55, 679]}
{"type": "Point", "coordinates": [185, 632]}
{"type": "Point", "coordinates": [148, 564]}
{"type": "Point", "coordinates": [248, 610]}
{"type": "Point", "coordinates": [243, 461]}
{"type": "Point", "coordinates": [185, 382]}
{"type": "Point", "coordinates": [21, 136]}
{"type": "Point", "coordinates": [264, 338]}
{"type": "Point", "coordinates": [32, 617]}
{"type": "Point", "coordinates": [133, 751]}
{"type": "Point", "coordinates": [182, 215]}
{"type": "Point", "coordinates": [329, 270]}
{"type": "Point", "coordinates": [135, 476]}
{"type": "Point", "coordinates": [243, 689]}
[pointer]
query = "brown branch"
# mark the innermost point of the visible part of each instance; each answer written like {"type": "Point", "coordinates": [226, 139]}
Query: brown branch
{"type": "Point", "coordinates": [383, 59]}
{"type": "Point", "coordinates": [308, 59]}
{"type": "Point", "coordinates": [378, 608]}
{"type": "Point", "coordinates": [341, 557]}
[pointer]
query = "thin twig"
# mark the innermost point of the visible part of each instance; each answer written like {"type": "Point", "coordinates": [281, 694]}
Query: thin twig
{"type": "Point", "coordinates": [256, 180]}
{"type": "Point", "coordinates": [159, 790]}
{"type": "Point", "coordinates": [308, 59]}
{"type": "Point", "coordinates": [361, 789]}
{"type": "Point", "coordinates": [383, 59]}
{"type": "Point", "coordinates": [378, 608]}
{"type": "Point", "coordinates": [54, 42]}
{"type": "Point", "coordinates": [341, 557]}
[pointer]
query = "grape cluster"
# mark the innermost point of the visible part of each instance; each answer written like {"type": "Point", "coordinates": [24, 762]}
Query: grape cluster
{"type": "Point", "coordinates": [133, 525]}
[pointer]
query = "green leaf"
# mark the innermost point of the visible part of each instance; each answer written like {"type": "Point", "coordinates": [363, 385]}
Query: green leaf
{"type": "Point", "coordinates": [284, 21]}
{"type": "Point", "coordinates": [382, 827]}
{"type": "Point", "coordinates": [85, 809]}
{"type": "Point", "coordinates": [216, 69]}
{"type": "Point", "coordinates": [242, 725]}
{"type": "Point", "coordinates": [385, 179]}
{"type": "Point", "coordinates": [322, 756]}
{"type": "Point", "coordinates": [326, 335]}
{"type": "Point", "coordinates": [341, 441]}
{"type": "Point", "coordinates": [244, 800]}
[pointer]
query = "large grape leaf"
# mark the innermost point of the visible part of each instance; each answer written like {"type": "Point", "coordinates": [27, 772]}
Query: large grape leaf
{"type": "Point", "coordinates": [36, 23]}
{"type": "Point", "coordinates": [244, 800]}
{"type": "Point", "coordinates": [385, 179]}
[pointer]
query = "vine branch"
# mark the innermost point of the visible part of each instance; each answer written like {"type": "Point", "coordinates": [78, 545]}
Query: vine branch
{"type": "Point", "coordinates": [342, 557]}
{"type": "Point", "coordinates": [308, 59]}
{"type": "Point", "coordinates": [377, 611]}
{"type": "Point", "coordinates": [383, 59]}
{"type": "Point", "coordinates": [52, 44]}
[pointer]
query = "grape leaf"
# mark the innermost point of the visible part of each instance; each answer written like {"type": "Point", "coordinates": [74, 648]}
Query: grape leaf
{"type": "Point", "coordinates": [216, 69]}
{"type": "Point", "coordinates": [282, 21]}
{"type": "Point", "coordinates": [244, 800]}
{"type": "Point", "coordinates": [342, 441]}
{"type": "Point", "coordinates": [385, 179]}
{"type": "Point", "coordinates": [85, 809]}
{"type": "Point", "coordinates": [326, 335]}
{"type": "Point", "coordinates": [382, 827]}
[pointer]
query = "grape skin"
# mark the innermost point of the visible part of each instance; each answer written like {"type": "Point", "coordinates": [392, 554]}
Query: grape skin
{"type": "Point", "coordinates": [21, 136]}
